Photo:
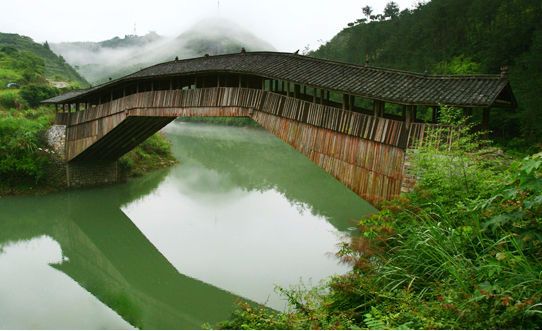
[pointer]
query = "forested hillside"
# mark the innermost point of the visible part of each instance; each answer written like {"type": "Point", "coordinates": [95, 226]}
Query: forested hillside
{"type": "Point", "coordinates": [22, 60]}
{"type": "Point", "coordinates": [457, 37]}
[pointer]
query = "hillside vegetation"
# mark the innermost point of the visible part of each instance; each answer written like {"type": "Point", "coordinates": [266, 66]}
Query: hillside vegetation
{"type": "Point", "coordinates": [23, 61]}
{"type": "Point", "coordinates": [457, 37]}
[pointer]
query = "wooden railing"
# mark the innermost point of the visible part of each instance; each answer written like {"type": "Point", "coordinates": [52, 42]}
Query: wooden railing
{"type": "Point", "coordinates": [383, 130]}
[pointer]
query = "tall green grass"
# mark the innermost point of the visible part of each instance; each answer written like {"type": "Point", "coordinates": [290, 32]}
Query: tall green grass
{"type": "Point", "coordinates": [462, 251]}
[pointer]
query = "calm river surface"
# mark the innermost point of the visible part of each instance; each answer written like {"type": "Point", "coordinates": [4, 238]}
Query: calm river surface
{"type": "Point", "coordinates": [241, 213]}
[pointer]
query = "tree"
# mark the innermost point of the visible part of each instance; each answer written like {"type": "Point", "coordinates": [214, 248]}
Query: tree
{"type": "Point", "coordinates": [391, 10]}
{"type": "Point", "coordinates": [34, 94]}
{"type": "Point", "coordinates": [46, 45]}
{"type": "Point", "coordinates": [367, 11]}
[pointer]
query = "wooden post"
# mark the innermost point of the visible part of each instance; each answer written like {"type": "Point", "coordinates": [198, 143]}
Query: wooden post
{"type": "Point", "coordinates": [77, 107]}
{"type": "Point", "coordinates": [322, 95]}
{"type": "Point", "coordinates": [410, 116]}
{"type": "Point", "coordinates": [378, 108]}
{"type": "Point", "coordinates": [352, 102]}
{"type": "Point", "coordinates": [297, 90]}
{"type": "Point", "coordinates": [288, 89]}
{"type": "Point", "coordinates": [467, 112]}
{"type": "Point", "coordinates": [485, 119]}
{"type": "Point", "coordinates": [346, 99]}
{"type": "Point", "coordinates": [436, 114]}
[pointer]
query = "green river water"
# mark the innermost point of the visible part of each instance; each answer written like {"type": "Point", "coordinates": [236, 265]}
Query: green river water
{"type": "Point", "coordinates": [241, 213]}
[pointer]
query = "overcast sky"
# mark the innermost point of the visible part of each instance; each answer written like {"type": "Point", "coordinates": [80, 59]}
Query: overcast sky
{"type": "Point", "coordinates": [286, 24]}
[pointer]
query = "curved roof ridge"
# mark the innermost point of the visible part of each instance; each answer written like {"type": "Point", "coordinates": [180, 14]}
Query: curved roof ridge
{"type": "Point", "coordinates": [390, 85]}
{"type": "Point", "coordinates": [346, 64]}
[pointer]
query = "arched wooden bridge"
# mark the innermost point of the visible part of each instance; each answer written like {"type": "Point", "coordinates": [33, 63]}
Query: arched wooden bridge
{"type": "Point", "coordinates": [334, 113]}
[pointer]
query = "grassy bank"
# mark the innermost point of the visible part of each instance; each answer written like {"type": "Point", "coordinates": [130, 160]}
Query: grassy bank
{"type": "Point", "coordinates": [154, 153]}
{"type": "Point", "coordinates": [26, 160]}
{"type": "Point", "coordinates": [462, 251]}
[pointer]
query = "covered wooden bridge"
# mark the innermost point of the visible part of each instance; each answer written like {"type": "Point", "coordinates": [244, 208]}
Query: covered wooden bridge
{"type": "Point", "coordinates": [354, 121]}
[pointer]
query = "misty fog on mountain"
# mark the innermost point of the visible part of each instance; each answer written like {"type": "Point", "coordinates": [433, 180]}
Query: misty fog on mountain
{"type": "Point", "coordinates": [116, 57]}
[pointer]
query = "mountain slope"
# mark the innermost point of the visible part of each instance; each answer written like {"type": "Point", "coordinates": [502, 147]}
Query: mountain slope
{"type": "Point", "coordinates": [22, 60]}
{"type": "Point", "coordinates": [119, 56]}
{"type": "Point", "coordinates": [459, 37]}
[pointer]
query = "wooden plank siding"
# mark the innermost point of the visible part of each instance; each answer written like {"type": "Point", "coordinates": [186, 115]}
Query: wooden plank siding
{"type": "Point", "coordinates": [364, 152]}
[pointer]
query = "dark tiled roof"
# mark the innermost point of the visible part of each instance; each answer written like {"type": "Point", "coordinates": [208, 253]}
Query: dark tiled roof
{"type": "Point", "coordinates": [370, 82]}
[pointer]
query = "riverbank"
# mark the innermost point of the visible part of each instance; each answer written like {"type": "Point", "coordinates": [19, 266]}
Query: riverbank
{"type": "Point", "coordinates": [28, 164]}
{"type": "Point", "coordinates": [462, 251]}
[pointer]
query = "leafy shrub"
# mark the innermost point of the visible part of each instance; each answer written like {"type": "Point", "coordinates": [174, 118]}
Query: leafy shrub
{"type": "Point", "coordinates": [10, 99]}
{"type": "Point", "coordinates": [34, 94]}
{"type": "Point", "coordinates": [153, 153]}
{"type": "Point", "coordinates": [22, 156]}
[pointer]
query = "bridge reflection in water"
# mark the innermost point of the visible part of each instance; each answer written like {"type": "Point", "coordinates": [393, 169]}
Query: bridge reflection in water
{"type": "Point", "coordinates": [127, 269]}
{"type": "Point", "coordinates": [107, 255]}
